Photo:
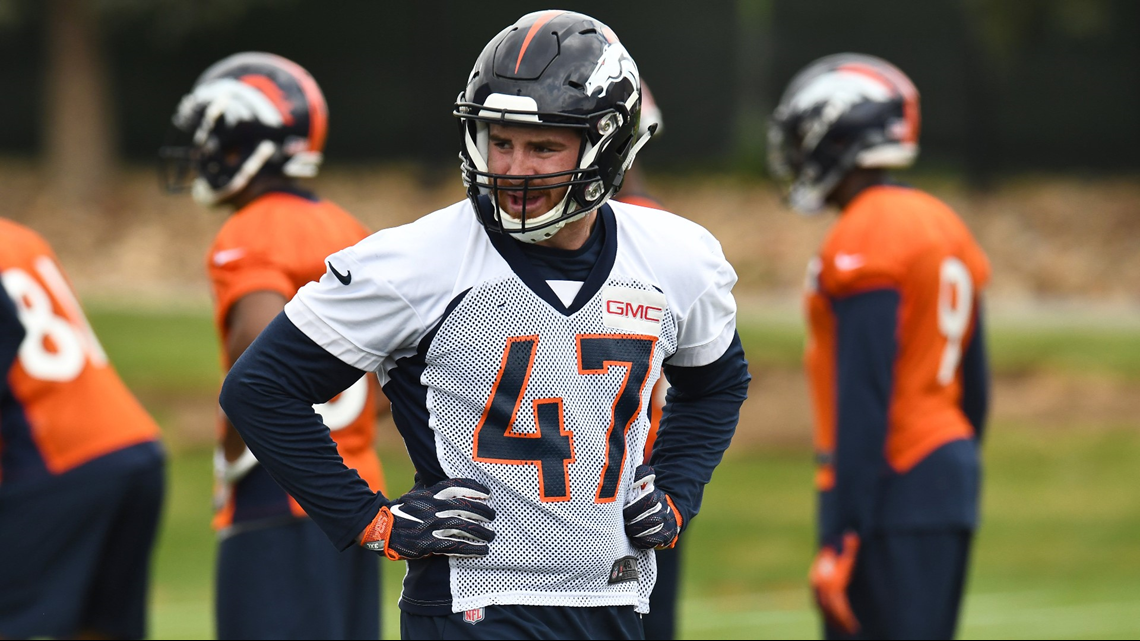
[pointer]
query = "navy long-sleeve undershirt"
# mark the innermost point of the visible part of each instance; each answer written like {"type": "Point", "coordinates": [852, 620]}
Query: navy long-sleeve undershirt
{"type": "Point", "coordinates": [976, 377]}
{"type": "Point", "coordinates": [865, 352]}
{"type": "Point", "coordinates": [269, 396]}
{"type": "Point", "coordinates": [11, 335]}
{"type": "Point", "coordinates": [941, 490]}
{"type": "Point", "coordinates": [702, 409]}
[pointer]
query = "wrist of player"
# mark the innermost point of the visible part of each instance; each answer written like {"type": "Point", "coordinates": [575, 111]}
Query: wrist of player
{"type": "Point", "coordinates": [652, 521]}
{"type": "Point", "coordinates": [450, 518]}
{"type": "Point", "coordinates": [830, 577]}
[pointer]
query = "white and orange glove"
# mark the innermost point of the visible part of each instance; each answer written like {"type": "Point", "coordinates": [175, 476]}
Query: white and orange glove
{"type": "Point", "coordinates": [447, 519]}
{"type": "Point", "coordinates": [830, 575]}
{"type": "Point", "coordinates": [651, 519]}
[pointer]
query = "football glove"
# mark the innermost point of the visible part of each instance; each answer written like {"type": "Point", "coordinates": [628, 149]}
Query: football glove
{"type": "Point", "coordinates": [651, 519]}
{"type": "Point", "coordinates": [228, 473]}
{"type": "Point", "coordinates": [446, 518]}
{"type": "Point", "coordinates": [830, 575]}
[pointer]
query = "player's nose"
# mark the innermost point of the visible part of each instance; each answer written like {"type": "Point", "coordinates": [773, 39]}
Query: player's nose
{"type": "Point", "coordinates": [522, 163]}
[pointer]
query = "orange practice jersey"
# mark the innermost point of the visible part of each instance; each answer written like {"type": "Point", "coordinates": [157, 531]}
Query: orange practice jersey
{"type": "Point", "coordinates": [278, 243]}
{"type": "Point", "coordinates": [902, 239]}
{"type": "Point", "coordinates": [640, 201]}
{"type": "Point", "coordinates": [76, 407]}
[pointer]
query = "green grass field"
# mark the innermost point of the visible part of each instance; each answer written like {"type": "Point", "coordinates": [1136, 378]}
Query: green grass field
{"type": "Point", "coordinates": [1057, 555]}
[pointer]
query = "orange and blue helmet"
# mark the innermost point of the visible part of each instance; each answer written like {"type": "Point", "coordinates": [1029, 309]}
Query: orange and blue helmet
{"type": "Point", "coordinates": [839, 113]}
{"type": "Point", "coordinates": [249, 113]}
{"type": "Point", "coordinates": [552, 69]}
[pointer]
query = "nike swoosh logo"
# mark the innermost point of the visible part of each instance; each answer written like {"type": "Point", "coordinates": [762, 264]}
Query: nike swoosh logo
{"type": "Point", "coordinates": [228, 256]}
{"type": "Point", "coordinates": [401, 514]}
{"type": "Point", "coordinates": [848, 262]}
{"type": "Point", "coordinates": [344, 278]}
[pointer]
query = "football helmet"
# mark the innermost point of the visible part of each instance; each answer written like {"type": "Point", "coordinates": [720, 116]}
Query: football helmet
{"type": "Point", "coordinates": [249, 113]}
{"type": "Point", "coordinates": [841, 112]}
{"type": "Point", "coordinates": [552, 69]}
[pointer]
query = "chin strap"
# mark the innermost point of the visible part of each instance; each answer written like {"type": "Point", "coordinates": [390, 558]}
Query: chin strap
{"type": "Point", "coordinates": [538, 235]}
{"type": "Point", "coordinates": [638, 145]}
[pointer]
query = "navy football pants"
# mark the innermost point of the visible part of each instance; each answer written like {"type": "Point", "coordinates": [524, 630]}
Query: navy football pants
{"type": "Point", "coordinates": [661, 622]}
{"type": "Point", "coordinates": [289, 582]}
{"type": "Point", "coordinates": [526, 622]}
{"type": "Point", "coordinates": [75, 548]}
{"type": "Point", "coordinates": [908, 585]}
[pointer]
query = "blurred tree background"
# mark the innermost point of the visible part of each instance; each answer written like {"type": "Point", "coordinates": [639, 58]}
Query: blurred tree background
{"type": "Point", "coordinates": [1007, 85]}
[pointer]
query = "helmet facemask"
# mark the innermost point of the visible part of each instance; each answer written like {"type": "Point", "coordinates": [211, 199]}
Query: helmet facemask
{"type": "Point", "coordinates": [811, 172]}
{"type": "Point", "coordinates": [197, 161]}
{"type": "Point", "coordinates": [585, 183]}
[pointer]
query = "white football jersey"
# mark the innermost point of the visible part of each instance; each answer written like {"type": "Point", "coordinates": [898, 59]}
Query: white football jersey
{"type": "Point", "coordinates": [493, 377]}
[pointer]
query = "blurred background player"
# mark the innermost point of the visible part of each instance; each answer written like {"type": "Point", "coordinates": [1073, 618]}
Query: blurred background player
{"type": "Point", "coordinates": [256, 122]}
{"type": "Point", "coordinates": [661, 622]}
{"type": "Point", "coordinates": [81, 466]}
{"type": "Point", "coordinates": [895, 356]}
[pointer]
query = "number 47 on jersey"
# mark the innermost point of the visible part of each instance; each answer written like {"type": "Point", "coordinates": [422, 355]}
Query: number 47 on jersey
{"type": "Point", "coordinates": [551, 447]}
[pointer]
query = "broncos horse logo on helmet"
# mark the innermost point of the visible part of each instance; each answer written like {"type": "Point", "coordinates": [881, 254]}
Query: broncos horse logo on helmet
{"type": "Point", "coordinates": [841, 112]}
{"type": "Point", "coordinates": [247, 114]}
{"type": "Point", "coordinates": [614, 66]}
{"type": "Point", "coordinates": [551, 69]}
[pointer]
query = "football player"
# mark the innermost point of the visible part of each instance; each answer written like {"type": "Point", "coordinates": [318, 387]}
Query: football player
{"type": "Point", "coordinates": [81, 465]}
{"type": "Point", "coordinates": [895, 358]}
{"type": "Point", "coordinates": [253, 124]}
{"type": "Point", "coordinates": [518, 334]}
{"type": "Point", "coordinates": [661, 621]}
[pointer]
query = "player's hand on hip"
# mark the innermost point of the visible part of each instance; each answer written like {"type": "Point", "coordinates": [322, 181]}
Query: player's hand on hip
{"type": "Point", "coordinates": [447, 518]}
{"type": "Point", "coordinates": [651, 519]}
{"type": "Point", "coordinates": [830, 575]}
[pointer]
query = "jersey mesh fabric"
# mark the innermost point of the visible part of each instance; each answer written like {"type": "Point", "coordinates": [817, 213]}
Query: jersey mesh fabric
{"type": "Point", "coordinates": [557, 551]}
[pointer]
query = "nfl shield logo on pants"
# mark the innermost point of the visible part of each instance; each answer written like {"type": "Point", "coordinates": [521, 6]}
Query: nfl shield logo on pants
{"type": "Point", "coordinates": [474, 616]}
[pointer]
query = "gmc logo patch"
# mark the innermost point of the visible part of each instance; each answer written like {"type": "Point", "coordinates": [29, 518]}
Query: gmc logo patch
{"type": "Point", "coordinates": [635, 310]}
{"type": "Point", "coordinates": [631, 310]}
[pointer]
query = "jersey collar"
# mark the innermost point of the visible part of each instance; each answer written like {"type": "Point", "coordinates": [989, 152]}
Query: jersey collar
{"type": "Point", "coordinates": [509, 249]}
